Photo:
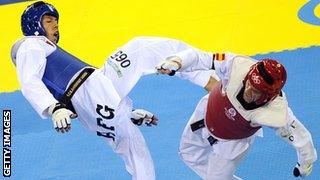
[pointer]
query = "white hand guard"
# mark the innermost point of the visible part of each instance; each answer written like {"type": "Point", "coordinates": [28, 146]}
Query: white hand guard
{"type": "Point", "coordinates": [169, 66]}
{"type": "Point", "coordinates": [61, 117]}
{"type": "Point", "coordinates": [140, 116]}
{"type": "Point", "coordinates": [302, 170]}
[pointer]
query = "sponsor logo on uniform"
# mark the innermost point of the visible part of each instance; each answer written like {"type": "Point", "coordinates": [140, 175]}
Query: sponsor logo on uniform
{"type": "Point", "coordinates": [230, 113]}
{"type": "Point", "coordinates": [115, 67]}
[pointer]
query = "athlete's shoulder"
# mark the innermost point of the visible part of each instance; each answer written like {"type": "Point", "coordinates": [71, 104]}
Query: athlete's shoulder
{"type": "Point", "coordinates": [38, 42]}
{"type": "Point", "coordinates": [224, 63]}
{"type": "Point", "coordinates": [226, 60]}
{"type": "Point", "coordinates": [240, 63]}
{"type": "Point", "coordinates": [242, 59]}
{"type": "Point", "coordinates": [28, 43]}
{"type": "Point", "coordinates": [273, 114]}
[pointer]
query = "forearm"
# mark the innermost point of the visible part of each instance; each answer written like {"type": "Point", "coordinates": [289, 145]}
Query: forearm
{"type": "Point", "coordinates": [38, 96]}
{"type": "Point", "coordinates": [205, 79]}
{"type": "Point", "coordinates": [211, 83]}
{"type": "Point", "coordinates": [300, 138]}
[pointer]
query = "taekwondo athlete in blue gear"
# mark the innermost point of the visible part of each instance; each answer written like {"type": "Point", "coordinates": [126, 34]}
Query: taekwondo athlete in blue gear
{"type": "Point", "coordinates": [99, 96]}
{"type": "Point", "coordinates": [61, 66]}
{"type": "Point", "coordinates": [49, 77]}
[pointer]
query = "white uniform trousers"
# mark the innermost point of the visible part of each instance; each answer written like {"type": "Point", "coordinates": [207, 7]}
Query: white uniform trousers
{"type": "Point", "coordinates": [107, 89]}
{"type": "Point", "coordinates": [101, 110]}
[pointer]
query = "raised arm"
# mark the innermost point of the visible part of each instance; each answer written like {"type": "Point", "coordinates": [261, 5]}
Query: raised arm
{"type": "Point", "coordinates": [194, 65]}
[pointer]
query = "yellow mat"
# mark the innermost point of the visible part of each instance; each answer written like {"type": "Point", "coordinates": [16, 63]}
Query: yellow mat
{"type": "Point", "coordinates": [93, 29]}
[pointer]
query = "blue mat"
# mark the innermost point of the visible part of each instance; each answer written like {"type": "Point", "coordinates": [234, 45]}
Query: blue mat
{"type": "Point", "coordinates": [40, 153]}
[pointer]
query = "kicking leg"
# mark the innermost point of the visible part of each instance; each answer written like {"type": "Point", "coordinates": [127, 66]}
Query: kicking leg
{"type": "Point", "coordinates": [139, 57]}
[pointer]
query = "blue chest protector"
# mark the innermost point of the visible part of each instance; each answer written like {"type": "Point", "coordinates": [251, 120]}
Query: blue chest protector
{"type": "Point", "coordinates": [60, 68]}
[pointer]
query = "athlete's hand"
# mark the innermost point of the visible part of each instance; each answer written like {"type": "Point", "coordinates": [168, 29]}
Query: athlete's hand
{"type": "Point", "coordinates": [302, 169]}
{"type": "Point", "coordinates": [140, 116]}
{"type": "Point", "coordinates": [61, 117]}
{"type": "Point", "coordinates": [169, 66]}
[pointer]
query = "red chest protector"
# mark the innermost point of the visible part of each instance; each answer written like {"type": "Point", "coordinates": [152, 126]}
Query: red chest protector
{"type": "Point", "coordinates": [223, 120]}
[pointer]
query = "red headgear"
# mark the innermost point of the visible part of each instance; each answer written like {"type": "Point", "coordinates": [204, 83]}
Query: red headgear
{"type": "Point", "coordinates": [268, 76]}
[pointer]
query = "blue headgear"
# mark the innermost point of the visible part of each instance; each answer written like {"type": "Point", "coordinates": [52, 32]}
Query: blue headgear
{"type": "Point", "coordinates": [31, 18]}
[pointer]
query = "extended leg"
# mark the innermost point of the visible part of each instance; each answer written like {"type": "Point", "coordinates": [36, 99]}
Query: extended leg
{"type": "Point", "coordinates": [140, 56]}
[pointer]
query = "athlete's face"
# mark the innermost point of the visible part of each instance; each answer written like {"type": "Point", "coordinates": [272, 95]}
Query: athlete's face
{"type": "Point", "coordinates": [50, 25]}
{"type": "Point", "coordinates": [251, 94]}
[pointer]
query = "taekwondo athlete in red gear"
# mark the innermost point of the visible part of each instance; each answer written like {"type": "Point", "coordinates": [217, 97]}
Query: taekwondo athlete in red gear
{"type": "Point", "coordinates": [59, 85]}
{"type": "Point", "coordinates": [225, 122]}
